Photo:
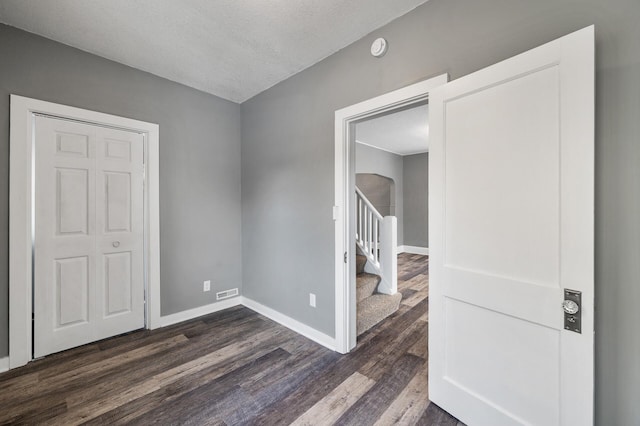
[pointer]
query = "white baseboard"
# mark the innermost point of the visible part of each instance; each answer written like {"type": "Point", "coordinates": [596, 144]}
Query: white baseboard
{"type": "Point", "coordinates": [4, 364]}
{"type": "Point", "coordinates": [290, 323]}
{"type": "Point", "coordinates": [413, 250]}
{"type": "Point", "coordinates": [199, 311]}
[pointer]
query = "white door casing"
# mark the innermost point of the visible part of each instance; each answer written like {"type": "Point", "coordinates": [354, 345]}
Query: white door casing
{"type": "Point", "coordinates": [511, 226]}
{"type": "Point", "coordinates": [345, 119]}
{"type": "Point", "coordinates": [88, 251]}
{"type": "Point", "coordinates": [23, 114]}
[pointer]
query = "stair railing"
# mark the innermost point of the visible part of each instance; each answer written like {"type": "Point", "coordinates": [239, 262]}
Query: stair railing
{"type": "Point", "coordinates": [377, 239]}
{"type": "Point", "coordinates": [368, 222]}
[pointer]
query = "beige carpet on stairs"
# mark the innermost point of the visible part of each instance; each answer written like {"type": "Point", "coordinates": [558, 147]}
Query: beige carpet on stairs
{"type": "Point", "coordinates": [372, 307]}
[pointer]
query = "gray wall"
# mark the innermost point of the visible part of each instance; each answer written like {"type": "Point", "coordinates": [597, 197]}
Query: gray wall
{"type": "Point", "coordinates": [371, 160]}
{"type": "Point", "coordinates": [416, 205]}
{"type": "Point", "coordinates": [199, 159]}
{"type": "Point", "coordinates": [288, 145]}
{"type": "Point", "coordinates": [379, 190]}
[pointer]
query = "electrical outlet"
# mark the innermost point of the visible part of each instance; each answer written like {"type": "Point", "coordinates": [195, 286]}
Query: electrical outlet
{"type": "Point", "coordinates": [312, 300]}
{"type": "Point", "coordinates": [207, 285]}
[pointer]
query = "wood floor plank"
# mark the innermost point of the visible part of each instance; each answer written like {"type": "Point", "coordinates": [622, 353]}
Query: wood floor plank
{"type": "Point", "coordinates": [264, 396]}
{"type": "Point", "coordinates": [52, 361]}
{"type": "Point", "coordinates": [411, 403]}
{"type": "Point", "coordinates": [128, 341]}
{"type": "Point", "coordinates": [236, 367]}
{"type": "Point", "coordinates": [102, 405]}
{"type": "Point", "coordinates": [33, 415]}
{"type": "Point", "coordinates": [47, 390]}
{"type": "Point", "coordinates": [333, 406]}
{"type": "Point", "coordinates": [18, 384]}
{"type": "Point", "coordinates": [421, 347]}
{"type": "Point", "coordinates": [407, 292]}
{"type": "Point", "coordinates": [435, 415]}
{"type": "Point", "coordinates": [377, 399]}
{"type": "Point", "coordinates": [201, 403]}
{"type": "Point", "coordinates": [415, 298]}
{"type": "Point", "coordinates": [155, 365]}
{"type": "Point", "coordinates": [386, 358]}
{"type": "Point", "coordinates": [419, 282]}
{"type": "Point", "coordinates": [411, 265]}
{"type": "Point", "coordinates": [308, 394]}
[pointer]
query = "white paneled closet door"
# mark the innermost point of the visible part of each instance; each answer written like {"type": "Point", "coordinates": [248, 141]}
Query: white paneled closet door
{"type": "Point", "coordinates": [89, 239]}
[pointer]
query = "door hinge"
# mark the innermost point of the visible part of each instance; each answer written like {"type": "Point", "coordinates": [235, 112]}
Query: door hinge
{"type": "Point", "coordinates": [345, 257]}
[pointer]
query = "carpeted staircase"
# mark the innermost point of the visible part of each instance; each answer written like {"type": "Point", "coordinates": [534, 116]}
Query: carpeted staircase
{"type": "Point", "coordinates": [372, 307]}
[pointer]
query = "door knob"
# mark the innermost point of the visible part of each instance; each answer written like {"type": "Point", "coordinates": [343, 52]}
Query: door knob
{"type": "Point", "coordinates": [572, 311]}
{"type": "Point", "coordinates": [570, 307]}
{"type": "Point", "coordinates": [116, 244]}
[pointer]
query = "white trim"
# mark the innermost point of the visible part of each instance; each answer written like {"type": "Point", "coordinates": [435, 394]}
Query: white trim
{"type": "Point", "coordinates": [20, 181]}
{"type": "Point", "coordinates": [413, 250]}
{"type": "Point", "coordinates": [391, 152]}
{"type": "Point", "coordinates": [198, 312]}
{"type": "Point", "coordinates": [4, 364]}
{"type": "Point", "coordinates": [345, 308]}
{"type": "Point", "coordinates": [300, 328]}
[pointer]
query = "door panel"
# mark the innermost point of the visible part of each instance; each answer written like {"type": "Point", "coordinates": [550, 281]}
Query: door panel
{"type": "Point", "coordinates": [117, 149]}
{"type": "Point", "coordinates": [117, 283]}
{"type": "Point", "coordinates": [72, 199]}
{"type": "Point", "coordinates": [511, 227]}
{"type": "Point", "coordinates": [88, 281]}
{"type": "Point", "coordinates": [521, 242]}
{"type": "Point", "coordinates": [118, 202]}
{"type": "Point", "coordinates": [496, 371]}
{"type": "Point", "coordinates": [72, 145]}
{"type": "Point", "coordinates": [72, 291]}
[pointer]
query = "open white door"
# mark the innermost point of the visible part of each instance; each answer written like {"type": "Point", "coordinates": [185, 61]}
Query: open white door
{"type": "Point", "coordinates": [511, 227]}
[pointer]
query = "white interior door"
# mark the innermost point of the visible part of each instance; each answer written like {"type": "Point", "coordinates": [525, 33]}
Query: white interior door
{"type": "Point", "coordinates": [511, 226]}
{"type": "Point", "coordinates": [88, 251]}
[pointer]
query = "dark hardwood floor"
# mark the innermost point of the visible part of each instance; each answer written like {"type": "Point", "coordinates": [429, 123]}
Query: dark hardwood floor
{"type": "Point", "coordinates": [236, 367]}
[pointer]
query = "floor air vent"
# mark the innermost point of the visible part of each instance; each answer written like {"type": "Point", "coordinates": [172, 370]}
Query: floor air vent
{"type": "Point", "coordinates": [227, 293]}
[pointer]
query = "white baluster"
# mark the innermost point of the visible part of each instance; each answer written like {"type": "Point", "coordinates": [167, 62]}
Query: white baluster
{"type": "Point", "coordinates": [359, 217]}
{"type": "Point", "coordinates": [370, 233]}
{"type": "Point", "coordinates": [375, 242]}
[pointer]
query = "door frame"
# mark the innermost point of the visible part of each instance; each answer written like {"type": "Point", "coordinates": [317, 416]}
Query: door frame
{"type": "Point", "coordinates": [345, 119]}
{"type": "Point", "coordinates": [21, 192]}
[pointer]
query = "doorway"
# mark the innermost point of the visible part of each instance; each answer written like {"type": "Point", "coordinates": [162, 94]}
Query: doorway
{"type": "Point", "coordinates": [22, 203]}
{"type": "Point", "coordinates": [345, 257]}
{"type": "Point", "coordinates": [391, 181]}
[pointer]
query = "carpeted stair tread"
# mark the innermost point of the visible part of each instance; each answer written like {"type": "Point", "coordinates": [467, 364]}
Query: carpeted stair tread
{"type": "Point", "coordinates": [360, 262]}
{"type": "Point", "coordinates": [375, 308]}
{"type": "Point", "coordinates": [366, 284]}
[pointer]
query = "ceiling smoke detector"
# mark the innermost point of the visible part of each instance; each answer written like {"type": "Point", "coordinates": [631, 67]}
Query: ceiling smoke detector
{"type": "Point", "coordinates": [379, 47]}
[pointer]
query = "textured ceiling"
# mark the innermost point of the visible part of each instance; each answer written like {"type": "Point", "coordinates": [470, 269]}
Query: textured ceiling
{"type": "Point", "coordinates": [234, 49]}
{"type": "Point", "coordinates": [404, 133]}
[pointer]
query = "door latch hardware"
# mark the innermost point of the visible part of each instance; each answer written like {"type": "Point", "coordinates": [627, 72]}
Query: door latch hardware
{"type": "Point", "coordinates": [345, 257]}
{"type": "Point", "coordinates": [572, 307]}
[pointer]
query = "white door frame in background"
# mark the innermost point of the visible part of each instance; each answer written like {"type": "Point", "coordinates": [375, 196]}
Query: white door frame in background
{"type": "Point", "coordinates": [345, 118]}
{"type": "Point", "coordinates": [21, 175]}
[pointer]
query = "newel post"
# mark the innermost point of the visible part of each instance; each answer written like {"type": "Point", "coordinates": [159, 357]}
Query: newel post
{"type": "Point", "coordinates": [389, 255]}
